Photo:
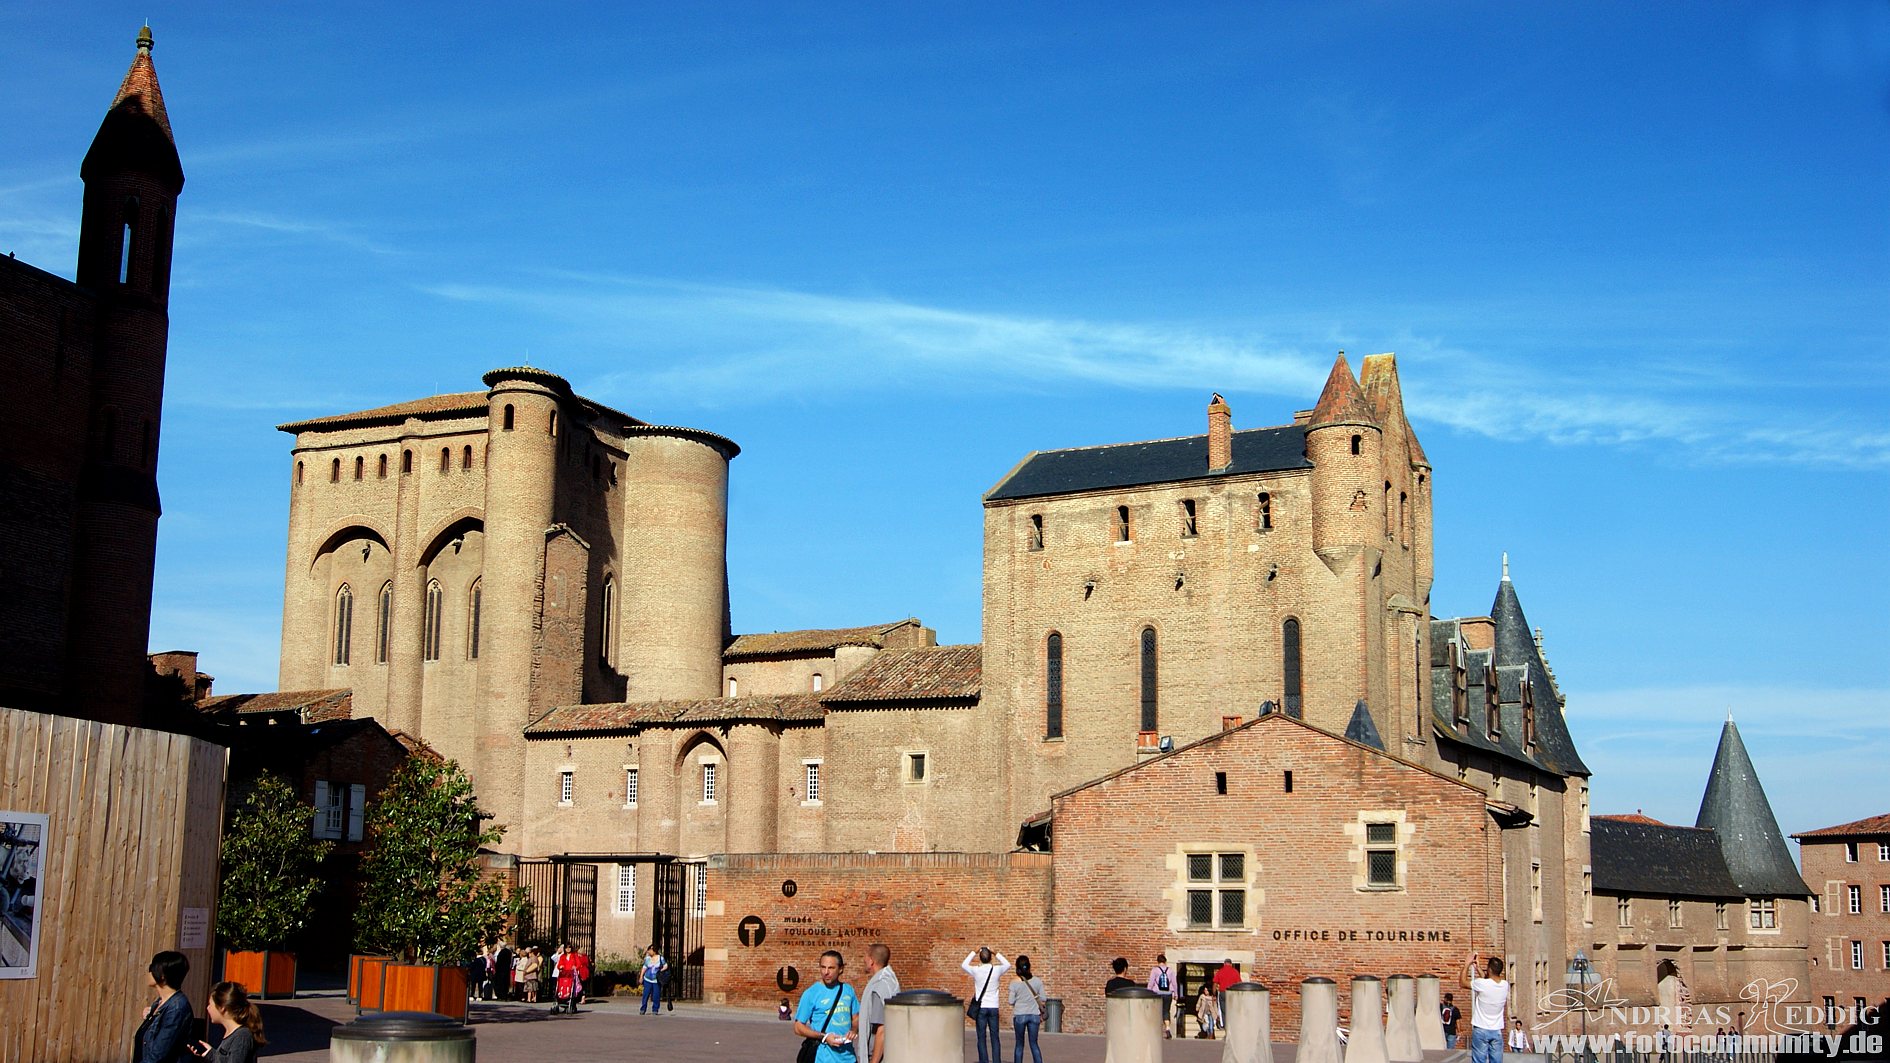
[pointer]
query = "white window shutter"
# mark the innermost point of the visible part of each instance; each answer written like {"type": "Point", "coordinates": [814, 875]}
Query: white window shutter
{"type": "Point", "coordinates": [321, 808]}
{"type": "Point", "coordinates": [357, 800]}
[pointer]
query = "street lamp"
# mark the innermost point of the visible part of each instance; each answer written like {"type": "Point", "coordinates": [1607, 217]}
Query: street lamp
{"type": "Point", "coordinates": [1581, 979]}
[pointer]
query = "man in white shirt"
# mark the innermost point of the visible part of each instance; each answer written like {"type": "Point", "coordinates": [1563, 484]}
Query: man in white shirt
{"type": "Point", "coordinates": [1489, 999]}
{"type": "Point", "coordinates": [987, 972]}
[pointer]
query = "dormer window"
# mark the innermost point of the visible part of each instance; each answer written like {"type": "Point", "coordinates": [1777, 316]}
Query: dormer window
{"type": "Point", "coordinates": [1528, 714]}
{"type": "Point", "coordinates": [1459, 690]}
{"type": "Point", "coordinates": [1492, 703]}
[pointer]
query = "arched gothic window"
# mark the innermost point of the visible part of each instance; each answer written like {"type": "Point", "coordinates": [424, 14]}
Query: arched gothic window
{"type": "Point", "coordinates": [124, 240]}
{"type": "Point", "coordinates": [1150, 715]}
{"type": "Point", "coordinates": [1053, 686]}
{"type": "Point", "coordinates": [344, 623]}
{"type": "Point", "coordinates": [430, 623]}
{"type": "Point", "coordinates": [1289, 665]}
{"type": "Point", "coordinates": [607, 637]}
{"type": "Point", "coordinates": [465, 458]}
{"type": "Point", "coordinates": [334, 471]}
{"type": "Point", "coordinates": [360, 466]}
{"type": "Point", "coordinates": [472, 622]}
{"type": "Point", "coordinates": [508, 417]}
{"type": "Point", "coordinates": [386, 616]}
{"type": "Point", "coordinates": [380, 468]}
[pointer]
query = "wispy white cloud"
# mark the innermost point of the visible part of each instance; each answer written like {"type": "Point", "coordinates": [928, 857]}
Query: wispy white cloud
{"type": "Point", "coordinates": [759, 343]}
{"type": "Point", "coordinates": [206, 226]}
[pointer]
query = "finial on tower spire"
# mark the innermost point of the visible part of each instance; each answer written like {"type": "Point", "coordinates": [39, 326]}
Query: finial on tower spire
{"type": "Point", "coordinates": [1506, 566]}
{"type": "Point", "coordinates": [144, 38]}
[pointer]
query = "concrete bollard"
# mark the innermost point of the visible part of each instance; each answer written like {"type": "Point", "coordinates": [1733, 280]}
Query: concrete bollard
{"type": "Point", "coordinates": [1430, 1006]}
{"type": "Point", "coordinates": [1367, 1042]}
{"type": "Point", "coordinates": [402, 1037]}
{"type": "Point", "coordinates": [1318, 1021]}
{"type": "Point", "coordinates": [1249, 1011]}
{"type": "Point", "coordinates": [923, 1025]}
{"type": "Point", "coordinates": [1401, 1019]}
{"type": "Point", "coordinates": [1132, 1027]}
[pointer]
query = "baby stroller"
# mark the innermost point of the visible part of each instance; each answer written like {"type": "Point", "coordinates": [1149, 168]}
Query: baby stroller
{"type": "Point", "coordinates": [568, 989]}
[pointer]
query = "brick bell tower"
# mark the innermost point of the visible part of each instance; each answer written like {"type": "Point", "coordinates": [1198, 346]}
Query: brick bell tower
{"type": "Point", "coordinates": [132, 179]}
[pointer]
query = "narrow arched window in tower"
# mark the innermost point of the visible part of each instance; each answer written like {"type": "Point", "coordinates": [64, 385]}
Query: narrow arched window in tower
{"type": "Point", "coordinates": [406, 462]}
{"type": "Point", "coordinates": [334, 471]}
{"type": "Point", "coordinates": [472, 622]}
{"type": "Point", "coordinates": [124, 240]}
{"type": "Point", "coordinates": [507, 420]}
{"type": "Point", "coordinates": [1404, 518]}
{"type": "Point", "coordinates": [465, 458]}
{"type": "Point", "coordinates": [298, 474]}
{"type": "Point", "coordinates": [820, 682]}
{"type": "Point", "coordinates": [380, 468]}
{"type": "Point", "coordinates": [430, 623]}
{"type": "Point", "coordinates": [1289, 666]}
{"type": "Point", "coordinates": [386, 623]}
{"type": "Point", "coordinates": [733, 687]}
{"type": "Point", "coordinates": [1036, 531]}
{"type": "Point", "coordinates": [1122, 524]}
{"type": "Point", "coordinates": [607, 636]}
{"type": "Point", "coordinates": [360, 466]}
{"type": "Point", "coordinates": [551, 423]}
{"type": "Point", "coordinates": [1053, 686]}
{"type": "Point", "coordinates": [1188, 525]}
{"type": "Point", "coordinates": [1150, 715]}
{"type": "Point", "coordinates": [446, 458]}
{"type": "Point", "coordinates": [344, 623]}
{"type": "Point", "coordinates": [1265, 520]}
{"type": "Point", "coordinates": [1389, 528]}
{"type": "Point", "coordinates": [1358, 444]}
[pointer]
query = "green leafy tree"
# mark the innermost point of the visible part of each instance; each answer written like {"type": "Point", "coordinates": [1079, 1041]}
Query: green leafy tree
{"type": "Point", "coordinates": [423, 898]}
{"type": "Point", "coordinates": [269, 869]}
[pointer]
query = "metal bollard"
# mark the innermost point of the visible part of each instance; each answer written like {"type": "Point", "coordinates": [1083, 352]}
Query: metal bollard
{"type": "Point", "coordinates": [1367, 1043]}
{"type": "Point", "coordinates": [1249, 1012]}
{"type": "Point", "coordinates": [1430, 1006]}
{"type": "Point", "coordinates": [1318, 1021]}
{"type": "Point", "coordinates": [923, 1025]}
{"type": "Point", "coordinates": [402, 1037]}
{"type": "Point", "coordinates": [1132, 1027]}
{"type": "Point", "coordinates": [1401, 1020]}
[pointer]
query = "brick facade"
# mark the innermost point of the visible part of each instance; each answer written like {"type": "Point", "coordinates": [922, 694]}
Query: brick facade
{"type": "Point", "coordinates": [1850, 950]}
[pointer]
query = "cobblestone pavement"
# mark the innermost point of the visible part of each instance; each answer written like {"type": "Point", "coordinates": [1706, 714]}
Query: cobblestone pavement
{"type": "Point", "coordinates": [613, 1032]}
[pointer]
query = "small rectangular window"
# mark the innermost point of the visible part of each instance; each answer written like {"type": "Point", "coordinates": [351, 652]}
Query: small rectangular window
{"type": "Point", "coordinates": [1200, 908]}
{"type": "Point", "coordinates": [1854, 898]}
{"type": "Point", "coordinates": [1719, 915]}
{"type": "Point", "coordinates": [1883, 899]}
{"type": "Point", "coordinates": [1216, 895]}
{"type": "Point", "coordinates": [1623, 912]}
{"type": "Point", "coordinates": [1850, 852]}
{"type": "Point", "coordinates": [1883, 852]}
{"type": "Point", "coordinates": [1233, 907]}
{"type": "Point", "coordinates": [1264, 520]}
{"type": "Point", "coordinates": [629, 786]}
{"type": "Point", "coordinates": [1220, 783]}
{"type": "Point", "coordinates": [708, 783]}
{"type": "Point", "coordinates": [1200, 867]}
{"type": "Point", "coordinates": [1122, 524]}
{"type": "Point", "coordinates": [1886, 955]}
{"type": "Point", "coordinates": [1763, 914]}
{"type": "Point", "coordinates": [1286, 781]}
{"type": "Point", "coordinates": [915, 767]}
{"type": "Point", "coordinates": [1188, 525]}
{"type": "Point", "coordinates": [1857, 955]}
{"type": "Point", "coordinates": [1673, 913]}
{"type": "Point", "coordinates": [1233, 866]}
{"type": "Point", "coordinates": [626, 889]}
{"type": "Point", "coordinates": [1036, 531]}
{"type": "Point", "coordinates": [1383, 870]}
{"type": "Point", "coordinates": [564, 787]}
{"type": "Point", "coordinates": [813, 780]}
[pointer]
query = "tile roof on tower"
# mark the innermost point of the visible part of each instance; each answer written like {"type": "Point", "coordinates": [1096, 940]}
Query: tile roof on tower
{"type": "Point", "coordinates": [1342, 402]}
{"type": "Point", "coordinates": [140, 87]}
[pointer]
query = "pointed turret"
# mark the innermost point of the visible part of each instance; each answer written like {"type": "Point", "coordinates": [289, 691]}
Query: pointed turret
{"type": "Point", "coordinates": [1342, 402]}
{"type": "Point", "coordinates": [1736, 809]}
{"type": "Point", "coordinates": [1362, 730]}
{"type": "Point", "coordinates": [1515, 642]}
{"type": "Point", "coordinates": [136, 132]}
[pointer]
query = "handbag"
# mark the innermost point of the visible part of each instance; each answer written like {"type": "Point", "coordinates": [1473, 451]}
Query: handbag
{"type": "Point", "coordinates": [977, 1002]}
{"type": "Point", "coordinates": [811, 1045]}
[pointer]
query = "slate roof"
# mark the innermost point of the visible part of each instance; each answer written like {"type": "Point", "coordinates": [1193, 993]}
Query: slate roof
{"type": "Point", "coordinates": [315, 706]}
{"type": "Point", "coordinates": [1855, 829]}
{"type": "Point", "coordinates": [812, 640]}
{"type": "Point", "coordinates": [634, 715]}
{"type": "Point", "coordinates": [934, 673]}
{"type": "Point", "coordinates": [1158, 461]}
{"type": "Point", "coordinates": [1636, 855]}
{"type": "Point", "coordinates": [1362, 730]}
{"type": "Point", "coordinates": [1517, 660]}
{"type": "Point", "coordinates": [1736, 808]}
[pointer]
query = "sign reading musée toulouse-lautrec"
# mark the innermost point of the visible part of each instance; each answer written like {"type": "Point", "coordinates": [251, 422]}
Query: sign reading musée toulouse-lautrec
{"type": "Point", "coordinates": [22, 856]}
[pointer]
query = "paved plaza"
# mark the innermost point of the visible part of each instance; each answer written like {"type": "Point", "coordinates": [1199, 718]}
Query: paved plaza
{"type": "Point", "coordinates": [612, 1031]}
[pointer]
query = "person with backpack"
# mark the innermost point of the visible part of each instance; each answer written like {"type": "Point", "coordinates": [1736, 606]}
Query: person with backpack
{"type": "Point", "coordinates": [1162, 981]}
{"type": "Point", "coordinates": [828, 1017]}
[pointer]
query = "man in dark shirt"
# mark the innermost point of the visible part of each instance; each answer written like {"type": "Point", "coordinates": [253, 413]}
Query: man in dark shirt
{"type": "Point", "coordinates": [1449, 1015]}
{"type": "Point", "coordinates": [1121, 967]}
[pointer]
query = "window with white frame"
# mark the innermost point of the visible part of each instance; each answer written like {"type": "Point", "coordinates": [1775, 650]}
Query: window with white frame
{"type": "Point", "coordinates": [1857, 955]}
{"type": "Point", "coordinates": [1763, 913]}
{"type": "Point", "coordinates": [1886, 955]}
{"type": "Point", "coordinates": [1883, 852]}
{"type": "Point", "coordinates": [1854, 898]}
{"type": "Point", "coordinates": [564, 787]}
{"type": "Point", "coordinates": [630, 786]}
{"type": "Point", "coordinates": [1381, 855]}
{"type": "Point", "coordinates": [819, 683]}
{"type": "Point", "coordinates": [1850, 852]}
{"type": "Point", "coordinates": [700, 905]}
{"type": "Point", "coordinates": [340, 809]}
{"type": "Point", "coordinates": [1216, 885]}
{"type": "Point", "coordinates": [732, 687]}
{"type": "Point", "coordinates": [708, 781]}
{"type": "Point", "coordinates": [813, 781]}
{"type": "Point", "coordinates": [626, 889]}
{"type": "Point", "coordinates": [1883, 899]}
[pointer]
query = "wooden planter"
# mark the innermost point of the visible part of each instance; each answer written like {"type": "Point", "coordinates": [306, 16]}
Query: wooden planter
{"type": "Point", "coordinates": [365, 975]}
{"type": "Point", "coordinates": [421, 987]}
{"type": "Point", "coordinates": [267, 975]}
{"type": "Point", "coordinates": [356, 965]}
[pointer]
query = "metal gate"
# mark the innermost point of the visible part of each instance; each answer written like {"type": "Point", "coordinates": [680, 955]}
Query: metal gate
{"type": "Point", "coordinates": [677, 925]}
{"type": "Point", "coordinates": [561, 904]}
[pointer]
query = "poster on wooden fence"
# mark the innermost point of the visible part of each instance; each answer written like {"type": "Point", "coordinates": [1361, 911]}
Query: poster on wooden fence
{"type": "Point", "coordinates": [22, 847]}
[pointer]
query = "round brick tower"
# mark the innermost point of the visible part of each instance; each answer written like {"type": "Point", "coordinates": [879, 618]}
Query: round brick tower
{"type": "Point", "coordinates": [526, 423]}
{"type": "Point", "coordinates": [675, 562]}
{"type": "Point", "coordinates": [1345, 445]}
{"type": "Point", "coordinates": [132, 179]}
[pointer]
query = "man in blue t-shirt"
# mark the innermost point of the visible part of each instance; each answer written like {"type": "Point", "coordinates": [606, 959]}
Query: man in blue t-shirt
{"type": "Point", "coordinates": [831, 1012]}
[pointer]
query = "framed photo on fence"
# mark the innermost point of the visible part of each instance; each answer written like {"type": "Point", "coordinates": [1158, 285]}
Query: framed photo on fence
{"type": "Point", "coordinates": [22, 861]}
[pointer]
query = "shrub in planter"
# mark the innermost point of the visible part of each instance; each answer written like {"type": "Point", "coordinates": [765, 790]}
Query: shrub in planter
{"type": "Point", "coordinates": [424, 901]}
{"type": "Point", "coordinates": [269, 886]}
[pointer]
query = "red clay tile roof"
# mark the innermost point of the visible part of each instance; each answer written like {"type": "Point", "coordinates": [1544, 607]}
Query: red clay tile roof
{"type": "Point", "coordinates": [316, 706]}
{"type": "Point", "coordinates": [1342, 402]}
{"type": "Point", "coordinates": [1634, 818]}
{"type": "Point", "coordinates": [431, 406]}
{"type": "Point", "coordinates": [1867, 825]}
{"type": "Point", "coordinates": [935, 673]}
{"type": "Point", "coordinates": [625, 716]}
{"type": "Point", "coordinates": [141, 85]}
{"type": "Point", "coordinates": [812, 640]}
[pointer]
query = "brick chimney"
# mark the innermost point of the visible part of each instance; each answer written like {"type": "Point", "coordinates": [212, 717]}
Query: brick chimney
{"type": "Point", "coordinates": [1220, 434]}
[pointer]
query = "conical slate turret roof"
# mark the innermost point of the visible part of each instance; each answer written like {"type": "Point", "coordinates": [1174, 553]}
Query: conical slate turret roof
{"type": "Point", "coordinates": [1362, 730]}
{"type": "Point", "coordinates": [1515, 647]}
{"type": "Point", "coordinates": [1736, 809]}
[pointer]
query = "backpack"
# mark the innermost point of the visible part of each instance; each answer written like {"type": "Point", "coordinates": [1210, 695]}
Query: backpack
{"type": "Point", "coordinates": [1161, 979]}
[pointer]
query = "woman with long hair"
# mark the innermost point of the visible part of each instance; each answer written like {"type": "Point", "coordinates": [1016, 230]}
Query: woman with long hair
{"type": "Point", "coordinates": [1027, 1002]}
{"type": "Point", "coordinates": [229, 1007]}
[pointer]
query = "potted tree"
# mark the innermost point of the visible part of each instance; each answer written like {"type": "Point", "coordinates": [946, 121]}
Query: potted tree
{"type": "Point", "coordinates": [424, 901]}
{"type": "Point", "coordinates": [269, 886]}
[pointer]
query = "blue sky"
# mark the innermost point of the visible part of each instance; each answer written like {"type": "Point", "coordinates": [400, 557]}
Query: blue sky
{"type": "Point", "coordinates": [1634, 259]}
